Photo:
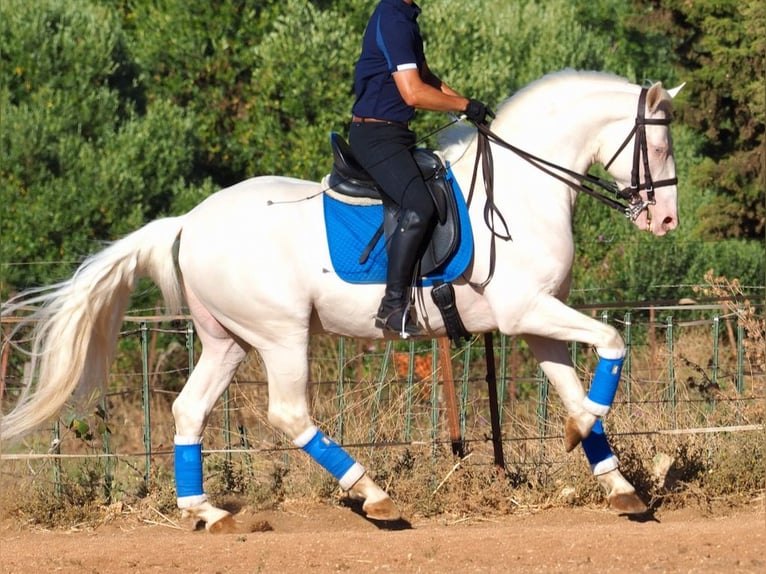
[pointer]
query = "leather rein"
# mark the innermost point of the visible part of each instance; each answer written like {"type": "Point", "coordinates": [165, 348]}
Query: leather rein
{"type": "Point", "coordinates": [634, 203]}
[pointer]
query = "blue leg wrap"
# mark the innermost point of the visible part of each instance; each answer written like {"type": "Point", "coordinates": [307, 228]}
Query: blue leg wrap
{"type": "Point", "coordinates": [188, 470]}
{"type": "Point", "coordinates": [331, 457]}
{"type": "Point", "coordinates": [597, 450]}
{"type": "Point", "coordinates": [604, 386]}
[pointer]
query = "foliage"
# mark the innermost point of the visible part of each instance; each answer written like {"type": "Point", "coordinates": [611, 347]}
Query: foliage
{"type": "Point", "coordinates": [200, 56]}
{"type": "Point", "coordinates": [753, 322]}
{"type": "Point", "coordinates": [117, 112]}
{"type": "Point", "coordinates": [720, 46]}
{"type": "Point", "coordinates": [79, 165]}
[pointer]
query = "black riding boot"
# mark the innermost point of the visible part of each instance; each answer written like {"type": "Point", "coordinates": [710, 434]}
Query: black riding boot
{"type": "Point", "coordinates": [404, 250]}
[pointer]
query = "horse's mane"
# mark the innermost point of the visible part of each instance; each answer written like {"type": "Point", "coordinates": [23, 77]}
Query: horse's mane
{"type": "Point", "coordinates": [535, 95]}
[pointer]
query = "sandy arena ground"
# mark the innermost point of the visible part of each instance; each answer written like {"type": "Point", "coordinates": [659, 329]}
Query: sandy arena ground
{"type": "Point", "coordinates": [325, 538]}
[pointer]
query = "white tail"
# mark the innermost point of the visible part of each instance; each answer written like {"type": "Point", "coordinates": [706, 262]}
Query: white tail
{"type": "Point", "coordinates": [78, 321]}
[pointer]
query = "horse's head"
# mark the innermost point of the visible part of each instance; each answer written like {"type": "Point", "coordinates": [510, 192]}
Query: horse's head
{"type": "Point", "coordinates": [646, 170]}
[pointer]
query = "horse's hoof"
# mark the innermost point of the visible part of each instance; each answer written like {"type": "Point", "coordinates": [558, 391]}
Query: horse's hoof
{"type": "Point", "coordinates": [577, 428]}
{"type": "Point", "coordinates": [382, 510]}
{"type": "Point", "coordinates": [627, 503]}
{"type": "Point", "coordinates": [572, 434]}
{"type": "Point", "coordinates": [224, 525]}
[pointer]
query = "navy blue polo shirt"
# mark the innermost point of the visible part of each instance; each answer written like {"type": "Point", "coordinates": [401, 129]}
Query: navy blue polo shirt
{"type": "Point", "coordinates": [391, 43]}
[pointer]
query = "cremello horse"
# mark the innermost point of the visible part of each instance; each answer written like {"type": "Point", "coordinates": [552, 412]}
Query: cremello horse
{"type": "Point", "coordinates": [254, 269]}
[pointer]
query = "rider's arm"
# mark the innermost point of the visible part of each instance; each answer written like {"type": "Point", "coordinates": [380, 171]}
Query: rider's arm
{"type": "Point", "coordinates": [425, 91]}
{"type": "Point", "coordinates": [433, 80]}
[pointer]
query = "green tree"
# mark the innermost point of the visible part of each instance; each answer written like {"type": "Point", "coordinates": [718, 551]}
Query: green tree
{"type": "Point", "coordinates": [78, 164]}
{"type": "Point", "coordinates": [719, 48]}
{"type": "Point", "coordinates": [201, 57]}
{"type": "Point", "coordinates": [116, 112]}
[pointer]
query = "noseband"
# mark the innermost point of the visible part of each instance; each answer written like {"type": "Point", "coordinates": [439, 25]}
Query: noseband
{"type": "Point", "coordinates": [635, 203]}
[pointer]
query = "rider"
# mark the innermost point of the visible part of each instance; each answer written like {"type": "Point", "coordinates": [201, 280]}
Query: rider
{"type": "Point", "coordinates": [391, 80]}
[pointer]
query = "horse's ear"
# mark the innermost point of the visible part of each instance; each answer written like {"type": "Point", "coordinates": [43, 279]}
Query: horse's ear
{"type": "Point", "coordinates": [656, 94]}
{"type": "Point", "coordinates": [674, 91]}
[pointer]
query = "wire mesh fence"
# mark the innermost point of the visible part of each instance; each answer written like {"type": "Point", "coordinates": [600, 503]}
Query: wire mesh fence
{"type": "Point", "coordinates": [687, 370]}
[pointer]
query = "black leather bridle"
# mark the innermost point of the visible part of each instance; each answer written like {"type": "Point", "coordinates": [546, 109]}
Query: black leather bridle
{"type": "Point", "coordinates": [640, 153]}
{"type": "Point", "coordinates": [634, 203]}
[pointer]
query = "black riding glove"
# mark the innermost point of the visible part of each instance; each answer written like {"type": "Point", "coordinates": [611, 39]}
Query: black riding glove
{"type": "Point", "coordinates": [477, 112]}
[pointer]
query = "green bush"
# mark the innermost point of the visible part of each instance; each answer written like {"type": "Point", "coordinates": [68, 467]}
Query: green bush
{"type": "Point", "coordinates": [115, 113]}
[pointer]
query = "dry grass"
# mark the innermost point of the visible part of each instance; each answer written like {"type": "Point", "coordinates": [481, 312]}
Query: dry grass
{"type": "Point", "coordinates": [388, 425]}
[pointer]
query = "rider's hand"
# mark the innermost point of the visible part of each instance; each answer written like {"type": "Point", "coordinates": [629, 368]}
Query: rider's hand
{"type": "Point", "coordinates": [477, 112]}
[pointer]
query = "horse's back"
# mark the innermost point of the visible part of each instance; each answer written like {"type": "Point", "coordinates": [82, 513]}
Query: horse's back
{"type": "Point", "coordinates": [251, 197]}
{"type": "Point", "coordinates": [253, 242]}
{"type": "Point", "coordinates": [253, 207]}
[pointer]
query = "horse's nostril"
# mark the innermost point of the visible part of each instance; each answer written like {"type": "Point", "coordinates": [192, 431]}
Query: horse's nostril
{"type": "Point", "coordinates": [669, 223]}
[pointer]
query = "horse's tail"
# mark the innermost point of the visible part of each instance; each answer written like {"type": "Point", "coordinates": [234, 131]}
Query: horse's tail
{"type": "Point", "coordinates": [76, 323]}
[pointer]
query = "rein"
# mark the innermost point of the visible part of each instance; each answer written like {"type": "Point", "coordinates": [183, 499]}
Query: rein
{"type": "Point", "coordinates": [634, 205]}
{"type": "Point", "coordinates": [484, 156]}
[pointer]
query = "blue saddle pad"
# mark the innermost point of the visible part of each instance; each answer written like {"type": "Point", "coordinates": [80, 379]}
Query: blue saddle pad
{"type": "Point", "coordinates": [351, 227]}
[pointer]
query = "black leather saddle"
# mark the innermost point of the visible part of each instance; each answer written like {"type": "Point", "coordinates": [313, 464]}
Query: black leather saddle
{"type": "Point", "coordinates": [350, 179]}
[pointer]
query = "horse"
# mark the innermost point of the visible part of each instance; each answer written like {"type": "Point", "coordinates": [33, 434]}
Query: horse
{"type": "Point", "coordinates": [252, 266]}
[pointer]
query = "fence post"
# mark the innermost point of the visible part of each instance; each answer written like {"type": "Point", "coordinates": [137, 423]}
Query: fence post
{"type": "Point", "coordinates": [464, 389]}
{"type": "Point", "coordinates": [340, 391]}
{"type": "Point", "coordinates": [542, 405]}
{"type": "Point", "coordinates": [144, 330]}
{"type": "Point", "coordinates": [434, 398]}
{"type": "Point", "coordinates": [379, 390]}
{"type": "Point", "coordinates": [410, 391]}
{"type": "Point", "coordinates": [108, 477]}
{"type": "Point", "coordinates": [573, 352]}
{"type": "Point", "coordinates": [450, 397]}
{"type": "Point", "coordinates": [716, 331]}
{"type": "Point", "coordinates": [626, 369]}
{"type": "Point", "coordinates": [740, 352]}
{"type": "Point", "coordinates": [671, 369]}
{"type": "Point", "coordinates": [56, 449]}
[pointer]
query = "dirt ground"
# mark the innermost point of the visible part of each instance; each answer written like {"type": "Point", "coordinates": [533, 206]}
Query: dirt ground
{"type": "Point", "coordinates": [325, 538]}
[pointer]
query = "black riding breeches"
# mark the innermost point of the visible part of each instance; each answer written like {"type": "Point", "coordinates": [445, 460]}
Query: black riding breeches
{"type": "Point", "coordinates": [385, 151]}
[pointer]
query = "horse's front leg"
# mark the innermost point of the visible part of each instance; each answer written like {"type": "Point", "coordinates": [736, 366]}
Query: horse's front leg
{"type": "Point", "coordinates": [556, 362]}
{"type": "Point", "coordinates": [287, 369]}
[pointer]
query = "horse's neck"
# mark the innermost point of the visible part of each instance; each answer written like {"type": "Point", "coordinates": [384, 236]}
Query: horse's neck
{"type": "Point", "coordinates": [570, 136]}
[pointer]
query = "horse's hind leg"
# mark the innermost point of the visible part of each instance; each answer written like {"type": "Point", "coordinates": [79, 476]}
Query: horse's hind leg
{"type": "Point", "coordinates": [287, 368]}
{"type": "Point", "coordinates": [221, 355]}
{"type": "Point", "coordinates": [555, 361]}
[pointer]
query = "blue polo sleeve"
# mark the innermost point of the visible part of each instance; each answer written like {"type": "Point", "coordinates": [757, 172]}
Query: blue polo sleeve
{"type": "Point", "coordinates": [397, 41]}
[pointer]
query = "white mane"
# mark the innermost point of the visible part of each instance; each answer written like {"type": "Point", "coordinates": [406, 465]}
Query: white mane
{"type": "Point", "coordinates": [535, 96]}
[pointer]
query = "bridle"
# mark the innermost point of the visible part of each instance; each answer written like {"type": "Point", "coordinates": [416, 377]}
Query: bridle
{"type": "Point", "coordinates": [634, 203]}
{"type": "Point", "coordinates": [640, 153]}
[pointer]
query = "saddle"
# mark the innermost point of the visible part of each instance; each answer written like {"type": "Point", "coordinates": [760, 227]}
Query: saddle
{"type": "Point", "coordinates": [349, 180]}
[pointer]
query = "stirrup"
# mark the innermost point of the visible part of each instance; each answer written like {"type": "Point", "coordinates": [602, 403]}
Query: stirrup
{"type": "Point", "coordinates": [397, 321]}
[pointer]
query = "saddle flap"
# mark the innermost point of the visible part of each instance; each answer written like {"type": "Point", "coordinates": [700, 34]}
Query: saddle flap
{"type": "Point", "coordinates": [446, 234]}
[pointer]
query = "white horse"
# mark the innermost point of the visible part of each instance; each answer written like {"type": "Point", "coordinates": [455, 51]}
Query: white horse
{"type": "Point", "coordinates": [254, 269]}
